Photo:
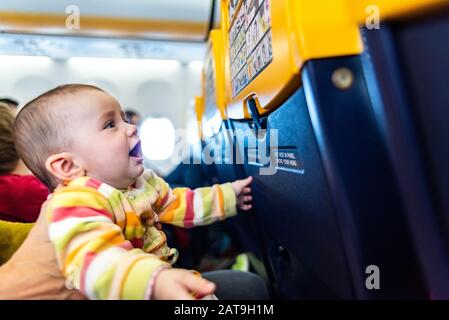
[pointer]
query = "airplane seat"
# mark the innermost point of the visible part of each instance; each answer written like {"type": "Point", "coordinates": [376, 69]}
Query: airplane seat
{"type": "Point", "coordinates": [188, 174]}
{"type": "Point", "coordinates": [361, 178]}
{"type": "Point", "coordinates": [327, 206]}
{"type": "Point", "coordinates": [244, 228]}
{"type": "Point", "coordinates": [218, 144]}
{"type": "Point", "coordinates": [331, 213]}
{"type": "Point", "coordinates": [407, 71]}
{"type": "Point", "coordinates": [294, 208]}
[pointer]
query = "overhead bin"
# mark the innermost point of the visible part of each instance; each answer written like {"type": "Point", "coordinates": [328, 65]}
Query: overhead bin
{"type": "Point", "coordinates": [187, 20]}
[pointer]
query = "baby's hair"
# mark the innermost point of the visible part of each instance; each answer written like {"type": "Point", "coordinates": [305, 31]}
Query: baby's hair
{"type": "Point", "coordinates": [8, 154]}
{"type": "Point", "coordinates": [39, 129]}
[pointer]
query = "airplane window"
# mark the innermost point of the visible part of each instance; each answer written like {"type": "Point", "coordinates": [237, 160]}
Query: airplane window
{"type": "Point", "coordinates": [158, 138]}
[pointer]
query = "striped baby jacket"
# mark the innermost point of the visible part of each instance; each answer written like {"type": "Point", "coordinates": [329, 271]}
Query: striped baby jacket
{"type": "Point", "coordinates": [108, 242]}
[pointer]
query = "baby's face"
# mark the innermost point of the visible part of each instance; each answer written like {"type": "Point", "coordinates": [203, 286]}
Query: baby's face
{"type": "Point", "coordinates": [104, 145]}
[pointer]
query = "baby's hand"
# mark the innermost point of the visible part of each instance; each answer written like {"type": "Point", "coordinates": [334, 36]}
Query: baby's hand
{"type": "Point", "coordinates": [243, 193]}
{"type": "Point", "coordinates": [180, 284]}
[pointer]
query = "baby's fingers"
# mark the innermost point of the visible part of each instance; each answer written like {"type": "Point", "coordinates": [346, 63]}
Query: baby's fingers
{"type": "Point", "coordinates": [245, 207]}
{"type": "Point", "coordinates": [198, 286]}
{"type": "Point", "coordinates": [247, 181]}
{"type": "Point", "coordinates": [183, 294]}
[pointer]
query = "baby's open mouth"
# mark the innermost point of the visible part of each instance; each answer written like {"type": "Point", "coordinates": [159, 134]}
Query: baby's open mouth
{"type": "Point", "coordinates": [136, 151]}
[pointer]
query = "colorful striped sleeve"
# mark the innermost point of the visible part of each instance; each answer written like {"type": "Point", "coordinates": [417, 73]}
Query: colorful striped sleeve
{"type": "Point", "coordinates": [92, 251]}
{"type": "Point", "coordinates": [187, 208]}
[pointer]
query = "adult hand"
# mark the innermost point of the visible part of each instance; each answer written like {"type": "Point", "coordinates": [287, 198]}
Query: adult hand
{"type": "Point", "coordinates": [32, 272]}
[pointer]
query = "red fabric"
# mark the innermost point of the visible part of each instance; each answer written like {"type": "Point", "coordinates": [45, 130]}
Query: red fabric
{"type": "Point", "coordinates": [21, 198]}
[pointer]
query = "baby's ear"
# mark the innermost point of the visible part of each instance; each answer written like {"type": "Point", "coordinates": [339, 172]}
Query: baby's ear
{"type": "Point", "coordinates": [62, 166]}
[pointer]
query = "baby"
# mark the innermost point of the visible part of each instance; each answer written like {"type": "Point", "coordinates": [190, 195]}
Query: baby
{"type": "Point", "coordinates": [104, 213]}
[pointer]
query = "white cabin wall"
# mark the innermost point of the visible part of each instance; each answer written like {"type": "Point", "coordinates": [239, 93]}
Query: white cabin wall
{"type": "Point", "coordinates": [161, 88]}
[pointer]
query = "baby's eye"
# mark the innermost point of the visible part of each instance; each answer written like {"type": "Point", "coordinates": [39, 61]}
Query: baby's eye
{"type": "Point", "coordinates": [109, 125]}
